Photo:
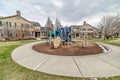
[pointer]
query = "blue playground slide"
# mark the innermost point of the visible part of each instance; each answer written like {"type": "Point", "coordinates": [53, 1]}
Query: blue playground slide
{"type": "Point", "coordinates": [64, 33]}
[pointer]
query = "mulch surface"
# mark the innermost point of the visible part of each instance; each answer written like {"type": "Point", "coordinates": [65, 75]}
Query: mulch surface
{"type": "Point", "coordinates": [75, 49]}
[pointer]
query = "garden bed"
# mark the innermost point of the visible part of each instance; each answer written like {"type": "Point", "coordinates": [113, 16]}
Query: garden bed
{"type": "Point", "coordinates": [75, 49]}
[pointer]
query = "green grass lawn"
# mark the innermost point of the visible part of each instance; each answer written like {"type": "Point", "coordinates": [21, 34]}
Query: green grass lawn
{"type": "Point", "coordinates": [9, 70]}
{"type": "Point", "coordinates": [113, 41]}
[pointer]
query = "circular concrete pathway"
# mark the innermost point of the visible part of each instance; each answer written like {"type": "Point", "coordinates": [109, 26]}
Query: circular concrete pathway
{"type": "Point", "coordinates": [101, 65]}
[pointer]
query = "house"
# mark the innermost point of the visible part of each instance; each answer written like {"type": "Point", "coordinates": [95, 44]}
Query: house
{"type": "Point", "coordinates": [16, 27]}
{"type": "Point", "coordinates": [37, 28]}
{"type": "Point", "coordinates": [84, 31]}
{"type": "Point", "coordinates": [44, 32]}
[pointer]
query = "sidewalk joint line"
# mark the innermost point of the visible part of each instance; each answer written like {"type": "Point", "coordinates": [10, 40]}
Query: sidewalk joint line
{"type": "Point", "coordinates": [78, 67]}
{"type": "Point", "coordinates": [45, 60]}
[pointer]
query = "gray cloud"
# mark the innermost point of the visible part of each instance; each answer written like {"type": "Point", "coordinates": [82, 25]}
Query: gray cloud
{"type": "Point", "coordinates": [69, 11]}
{"type": "Point", "coordinates": [87, 8]}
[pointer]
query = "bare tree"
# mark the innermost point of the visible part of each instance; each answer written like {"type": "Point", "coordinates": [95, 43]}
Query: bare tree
{"type": "Point", "coordinates": [110, 26]}
{"type": "Point", "coordinates": [106, 25]}
{"type": "Point", "coordinates": [116, 25]}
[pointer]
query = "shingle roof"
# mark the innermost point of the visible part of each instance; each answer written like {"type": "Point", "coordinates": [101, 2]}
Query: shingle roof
{"type": "Point", "coordinates": [35, 23]}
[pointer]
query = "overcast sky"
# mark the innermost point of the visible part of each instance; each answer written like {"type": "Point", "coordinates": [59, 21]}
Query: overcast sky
{"type": "Point", "coordinates": [70, 12]}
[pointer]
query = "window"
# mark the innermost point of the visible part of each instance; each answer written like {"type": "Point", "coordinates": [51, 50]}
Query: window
{"type": "Point", "coordinates": [90, 29]}
{"type": "Point", "coordinates": [80, 28]}
{"type": "Point", "coordinates": [83, 29]}
{"type": "Point", "coordinates": [15, 24]}
{"type": "Point", "coordinates": [5, 33]}
{"type": "Point", "coordinates": [7, 24]}
{"type": "Point", "coordinates": [3, 23]}
{"type": "Point", "coordinates": [1, 34]}
{"type": "Point", "coordinates": [10, 24]}
{"type": "Point", "coordinates": [83, 34]}
{"type": "Point", "coordinates": [0, 23]}
{"type": "Point", "coordinates": [22, 25]}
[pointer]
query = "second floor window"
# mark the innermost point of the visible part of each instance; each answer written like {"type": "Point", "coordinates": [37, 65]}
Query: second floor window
{"type": "Point", "coordinates": [90, 29]}
{"type": "Point", "coordinates": [83, 29]}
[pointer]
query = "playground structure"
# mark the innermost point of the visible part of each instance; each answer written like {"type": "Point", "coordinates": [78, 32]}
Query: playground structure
{"type": "Point", "coordinates": [60, 36]}
{"type": "Point", "coordinates": [59, 42]}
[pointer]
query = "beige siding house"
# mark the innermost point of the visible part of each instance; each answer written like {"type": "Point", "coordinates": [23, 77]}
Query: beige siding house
{"type": "Point", "coordinates": [85, 30]}
{"type": "Point", "coordinates": [16, 27]}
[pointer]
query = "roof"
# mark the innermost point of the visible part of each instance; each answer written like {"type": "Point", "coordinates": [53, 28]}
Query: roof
{"type": "Point", "coordinates": [43, 28]}
{"type": "Point", "coordinates": [35, 23]}
{"type": "Point", "coordinates": [76, 26]}
{"type": "Point", "coordinates": [15, 16]}
{"type": "Point", "coordinates": [93, 27]}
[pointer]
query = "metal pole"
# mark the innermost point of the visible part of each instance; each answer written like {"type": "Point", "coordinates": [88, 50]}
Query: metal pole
{"type": "Point", "coordinates": [85, 34]}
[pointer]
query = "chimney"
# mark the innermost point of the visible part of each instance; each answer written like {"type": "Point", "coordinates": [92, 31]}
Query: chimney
{"type": "Point", "coordinates": [18, 13]}
{"type": "Point", "coordinates": [84, 22]}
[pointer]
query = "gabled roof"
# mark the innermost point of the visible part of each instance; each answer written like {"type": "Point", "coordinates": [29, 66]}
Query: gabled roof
{"type": "Point", "coordinates": [15, 16]}
{"type": "Point", "coordinates": [78, 26]}
{"type": "Point", "coordinates": [92, 26]}
{"type": "Point", "coordinates": [8, 17]}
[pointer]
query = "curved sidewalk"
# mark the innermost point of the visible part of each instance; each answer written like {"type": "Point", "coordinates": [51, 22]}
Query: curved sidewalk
{"type": "Point", "coordinates": [101, 65]}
